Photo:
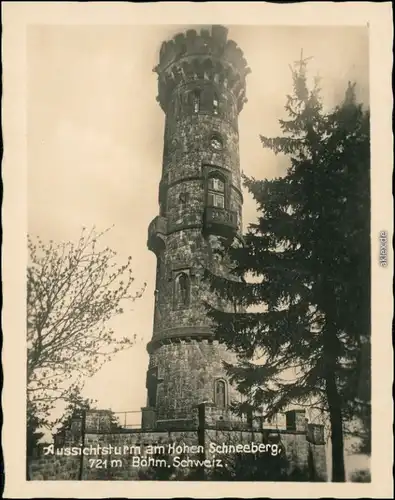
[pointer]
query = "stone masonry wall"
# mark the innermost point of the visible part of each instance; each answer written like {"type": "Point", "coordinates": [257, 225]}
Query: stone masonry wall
{"type": "Point", "coordinates": [187, 363]}
{"type": "Point", "coordinates": [186, 373]}
{"type": "Point", "coordinates": [130, 456]}
{"type": "Point", "coordinates": [52, 467]}
{"type": "Point", "coordinates": [189, 147]}
{"type": "Point", "coordinates": [125, 454]}
{"type": "Point", "coordinates": [185, 250]}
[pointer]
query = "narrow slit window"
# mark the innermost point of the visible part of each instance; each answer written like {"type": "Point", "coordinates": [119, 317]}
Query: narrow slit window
{"type": "Point", "coordinates": [220, 393]}
{"type": "Point", "coordinates": [182, 291]}
{"type": "Point", "coordinates": [184, 199]}
{"type": "Point", "coordinates": [215, 105]}
{"type": "Point", "coordinates": [196, 101]}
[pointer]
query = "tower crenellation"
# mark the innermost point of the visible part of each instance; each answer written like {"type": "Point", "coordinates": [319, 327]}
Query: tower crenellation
{"type": "Point", "coordinates": [207, 56]}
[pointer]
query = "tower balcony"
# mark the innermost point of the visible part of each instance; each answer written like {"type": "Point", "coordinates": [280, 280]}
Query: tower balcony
{"type": "Point", "coordinates": [157, 234]}
{"type": "Point", "coordinates": [220, 221]}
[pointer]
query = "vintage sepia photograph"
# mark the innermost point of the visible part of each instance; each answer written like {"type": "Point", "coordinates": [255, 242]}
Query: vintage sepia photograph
{"type": "Point", "coordinates": [198, 278]}
{"type": "Point", "coordinates": [253, 197]}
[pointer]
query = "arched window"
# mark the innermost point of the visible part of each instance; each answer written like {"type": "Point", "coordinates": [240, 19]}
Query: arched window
{"type": "Point", "coordinates": [216, 191]}
{"type": "Point", "coordinates": [220, 396]}
{"type": "Point", "coordinates": [182, 291]}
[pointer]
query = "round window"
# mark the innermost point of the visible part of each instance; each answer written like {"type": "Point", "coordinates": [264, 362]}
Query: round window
{"type": "Point", "coordinates": [216, 142]}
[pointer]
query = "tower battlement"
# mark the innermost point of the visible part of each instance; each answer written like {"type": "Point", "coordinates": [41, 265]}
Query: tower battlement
{"type": "Point", "coordinates": [206, 55]}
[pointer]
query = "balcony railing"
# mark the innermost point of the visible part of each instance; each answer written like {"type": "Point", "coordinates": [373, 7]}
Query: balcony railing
{"type": "Point", "coordinates": [157, 234]}
{"type": "Point", "coordinates": [220, 221]}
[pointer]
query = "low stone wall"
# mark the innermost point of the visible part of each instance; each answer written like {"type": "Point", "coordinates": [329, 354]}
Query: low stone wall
{"type": "Point", "coordinates": [301, 454]}
{"type": "Point", "coordinates": [136, 450]}
{"type": "Point", "coordinates": [52, 467]}
{"type": "Point", "coordinates": [142, 455]}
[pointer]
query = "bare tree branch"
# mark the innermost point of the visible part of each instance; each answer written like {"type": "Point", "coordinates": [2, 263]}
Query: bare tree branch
{"type": "Point", "coordinates": [73, 291]}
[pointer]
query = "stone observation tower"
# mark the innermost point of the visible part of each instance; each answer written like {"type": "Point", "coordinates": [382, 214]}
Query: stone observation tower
{"type": "Point", "coordinates": [202, 85]}
{"type": "Point", "coordinates": [201, 90]}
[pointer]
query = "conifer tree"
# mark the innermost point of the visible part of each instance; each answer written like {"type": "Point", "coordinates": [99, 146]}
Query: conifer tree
{"type": "Point", "coordinates": [309, 255]}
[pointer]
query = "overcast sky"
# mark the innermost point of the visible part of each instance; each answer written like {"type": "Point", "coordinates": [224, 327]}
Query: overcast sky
{"type": "Point", "coordinates": [95, 139]}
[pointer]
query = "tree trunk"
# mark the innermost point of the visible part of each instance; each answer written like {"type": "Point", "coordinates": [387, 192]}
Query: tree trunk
{"type": "Point", "coordinates": [331, 354]}
{"type": "Point", "coordinates": [27, 468]}
{"type": "Point", "coordinates": [335, 415]}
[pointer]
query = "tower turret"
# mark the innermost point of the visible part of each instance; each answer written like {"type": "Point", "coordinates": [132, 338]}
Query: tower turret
{"type": "Point", "coordinates": [201, 89]}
